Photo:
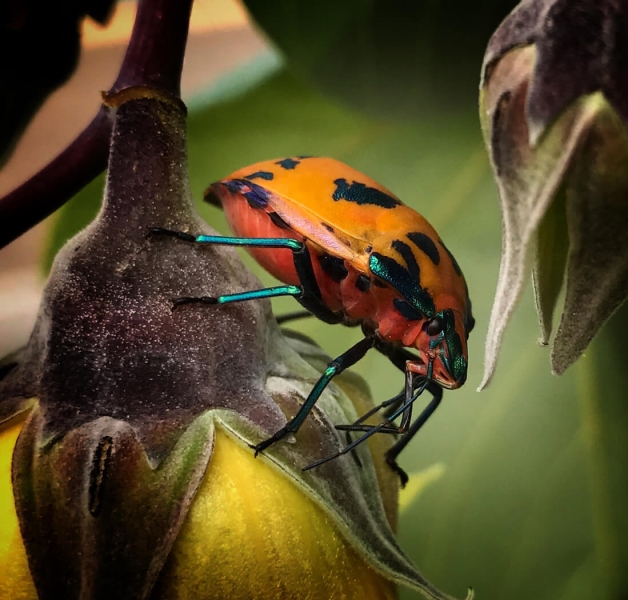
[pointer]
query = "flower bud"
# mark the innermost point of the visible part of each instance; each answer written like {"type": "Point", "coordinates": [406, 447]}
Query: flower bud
{"type": "Point", "coordinates": [554, 112]}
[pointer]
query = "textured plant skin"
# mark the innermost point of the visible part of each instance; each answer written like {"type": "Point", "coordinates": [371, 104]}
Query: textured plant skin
{"type": "Point", "coordinates": [130, 394]}
{"type": "Point", "coordinates": [554, 110]}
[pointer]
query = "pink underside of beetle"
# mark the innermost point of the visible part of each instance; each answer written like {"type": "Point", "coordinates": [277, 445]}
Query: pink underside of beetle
{"type": "Point", "coordinates": [372, 307]}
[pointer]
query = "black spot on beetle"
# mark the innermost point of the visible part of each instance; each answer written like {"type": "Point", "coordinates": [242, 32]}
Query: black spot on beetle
{"type": "Point", "coordinates": [333, 267]}
{"type": "Point", "coordinates": [234, 186]}
{"type": "Point", "coordinates": [424, 243]}
{"type": "Point", "coordinates": [363, 283]}
{"type": "Point", "coordinates": [265, 175]}
{"type": "Point", "coordinates": [406, 310]}
{"type": "Point", "coordinates": [368, 249]}
{"type": "Point", "coordinates": [328, 227]}
{"type": "Point", "coordinates": [361, 194]}
{"type": "Point", "coordinates": [278, 221]}
{"type": "Point", "coordinates": [254, 200]}
{"type": "Point", "coordinates": [408, 256]}
{"type": "Point", "coordinates": [287, 163]}
{"type": "Point", "coordinates": [454, 262]}
{"type": "Point", "coordinates": [256, 195]}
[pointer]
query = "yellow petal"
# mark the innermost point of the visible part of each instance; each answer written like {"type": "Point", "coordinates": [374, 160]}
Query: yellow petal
{"type": "Point", "coordinates": [15, 578]}
{"type": "Point", "coordinates": [252, 534]}
{"type": "Point", "coordinates": [419, 480]}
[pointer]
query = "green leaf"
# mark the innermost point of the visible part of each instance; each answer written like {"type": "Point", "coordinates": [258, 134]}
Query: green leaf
{"type": "Point", "coordinates": [398, 59]}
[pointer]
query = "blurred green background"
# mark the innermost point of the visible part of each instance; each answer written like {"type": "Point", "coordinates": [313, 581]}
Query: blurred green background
{"type": "Point", "coordinates": [525, 510]}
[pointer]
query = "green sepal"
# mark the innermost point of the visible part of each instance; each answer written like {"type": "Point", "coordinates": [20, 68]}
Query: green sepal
{"type": "Point", "coordinates": [548, 272]}
{"type": "Point", "coordinates": [97, 519]}
{"type": "Point", "coordinates": [597, 221]}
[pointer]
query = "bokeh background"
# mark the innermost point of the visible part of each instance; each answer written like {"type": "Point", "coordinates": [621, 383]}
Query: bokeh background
{"type": "Point", "coordinates": [390, 88]}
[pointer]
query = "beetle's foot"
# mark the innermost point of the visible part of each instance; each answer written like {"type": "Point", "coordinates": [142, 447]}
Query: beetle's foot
{"type": "Point", "coordinates": [270, 441]}
{"type": "Point", "coordinates": [186, 237]}
{"type": "Point", "coordinates": [403, 476]}
{"type": "Point", "coordinates": [201, 300]}
{"type": "Point", "coordinates": [366, 428]}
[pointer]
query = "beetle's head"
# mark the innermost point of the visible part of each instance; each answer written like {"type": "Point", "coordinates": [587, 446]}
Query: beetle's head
{"type": "Point", "coordinates": [442, 346]}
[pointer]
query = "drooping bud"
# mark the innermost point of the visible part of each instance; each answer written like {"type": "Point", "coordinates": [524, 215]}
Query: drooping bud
{"type": "Point", "coordinates": [554, 111]}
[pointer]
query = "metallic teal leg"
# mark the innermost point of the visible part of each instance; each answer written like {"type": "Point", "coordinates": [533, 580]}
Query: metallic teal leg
{"type": "Point", "coordinates": [272, 292]}
{"type": "Point", "coordinates": [282, 290]}
{"type": "Point", "coordinates": [222, 240]}
{"type": "Point", "coordinates": [310, 296]}
{"type": "Point", "coordinates": [335, 367]}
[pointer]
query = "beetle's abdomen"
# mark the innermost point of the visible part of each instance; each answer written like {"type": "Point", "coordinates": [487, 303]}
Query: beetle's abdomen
{"type": "Point", "coordinates": [247, 220]}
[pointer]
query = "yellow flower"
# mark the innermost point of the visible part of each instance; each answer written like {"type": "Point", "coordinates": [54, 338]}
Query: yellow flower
{"type": "Point", "coordinates": [251, 533]}
{"type": "Point", "coordinates": [16, 582]}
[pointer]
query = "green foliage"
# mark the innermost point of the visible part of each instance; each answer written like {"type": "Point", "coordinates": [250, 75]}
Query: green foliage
{"type": "Point", "coordinates": [397, 58]}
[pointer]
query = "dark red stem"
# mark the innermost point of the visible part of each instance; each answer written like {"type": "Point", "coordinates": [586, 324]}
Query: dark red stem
{"type": "Point", "coordinates": [154, 58]}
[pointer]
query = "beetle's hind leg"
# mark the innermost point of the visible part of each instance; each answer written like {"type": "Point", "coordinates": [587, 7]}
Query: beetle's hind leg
{"type": "Point", "coordinates": [272, 292]}
{"type": "Point", "coordinates": [226, 240]}
{"type": "Point", "coordinates": [308, 293]}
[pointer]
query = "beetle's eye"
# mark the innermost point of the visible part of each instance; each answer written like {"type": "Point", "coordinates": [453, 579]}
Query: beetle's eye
{"type": "Point", "coordinates": [435, 326]}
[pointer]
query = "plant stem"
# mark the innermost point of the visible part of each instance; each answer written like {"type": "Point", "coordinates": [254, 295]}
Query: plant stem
{"type": "Point", "coordinates": [605, 422]}
{"type": "Point", "coordinates": [154, 58]}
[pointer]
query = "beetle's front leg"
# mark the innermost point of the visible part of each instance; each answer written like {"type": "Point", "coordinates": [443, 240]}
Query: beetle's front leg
{"type": "Point", "coordinates": [335, 367]}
